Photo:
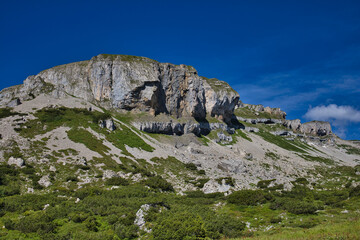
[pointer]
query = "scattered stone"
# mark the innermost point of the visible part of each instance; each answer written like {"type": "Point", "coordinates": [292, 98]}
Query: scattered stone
{"type": "Point", "coordinates": [45, 181]}
{"type": "Point", "coordinates": [213, 186]}
{"type": "Point", "coordinates": [249, 156]}
{"type": "Point", "coordinates": [223, 137]}
{"type": "Point", "coordinates": [140, 217]}
{"type": "Point", "coordinates": [195, 151]}
{"type": "Point", "coordinates": [16, 161]}
{"type": "Point", "coordinates": [109, 174]}
{"type": "Point", "coordinates": [81, 161]}
{"type": "Point", "coordinates": [108, 124]}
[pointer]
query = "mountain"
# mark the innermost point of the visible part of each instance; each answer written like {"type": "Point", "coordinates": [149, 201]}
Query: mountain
{"type": "Point", "coordinates": [139, 129]}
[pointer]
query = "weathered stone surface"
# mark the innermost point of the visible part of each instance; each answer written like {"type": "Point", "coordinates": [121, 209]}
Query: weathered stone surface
{"type": "Point", "coordinates": [45, 181]}
{"type": "Point", "coordinates": [109, 174]}
{"type": "Point", "coordinates": [221, 99]}
{"type": "Point", "coordinates": [293, 124]}
{"type": "Point", "coordinates": [315, 128]}
{"type": "Point", "coordinates": [16, 161]}
{"type": "Point", "coordinates": [260, 120]}
{"type": "Point", "coordinates": [140, 217]}
{"type": "Point", "coordinates": [14, 103]}
{"type": "Point", "coordinates": [260, 108]}
{"type": "Point", "coordinates": [171, 128]}
{"type": "Point", "coordinates": [213, 186]}
{"type": "Point", "coordinates": [223, 138]}
{"type": "Point", "coordinates": [318, 128]}
{"type": "Point", "coordinates": [128, 82]}
{"type": "Point", "coordinates": [108, 124]}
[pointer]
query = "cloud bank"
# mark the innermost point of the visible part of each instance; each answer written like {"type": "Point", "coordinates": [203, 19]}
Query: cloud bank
{"type": "Point", "coordinates": [335, 113]}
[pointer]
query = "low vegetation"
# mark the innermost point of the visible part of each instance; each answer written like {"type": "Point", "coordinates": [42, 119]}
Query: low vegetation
{"type": "Point", "coordinates": [95, 212]}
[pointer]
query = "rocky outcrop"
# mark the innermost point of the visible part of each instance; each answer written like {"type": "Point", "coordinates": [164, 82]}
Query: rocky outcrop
{"type": "Point", "coordinates": [16, 161]}
{"type": "Point", "coordinates": [276, 112]}
{"type": "Point", "coordinates": [108, 124]}
{"type": "Point", "coordinates": [260, 120]}
{"type": "Point", "coordinates": [171, 128]}
{"type": "Point", "coordinates": [294, 125]}
{"type": "Point", "coordinates": [223, 138]}
{"type": "Point", "coordinates": [45, 181]}
{"type": "Point", "coordinates": [283, 133]}
{"type": "Point", "coordinates": [140, 217]}
{"type": "Point", "coordinates": [221, 99]}
{"type": "Point", "coordinates": [129, 82]}
{"type": "Point", "coordinates": [315, 128]}
{"type": "Point", "coordinates": [318, 128]}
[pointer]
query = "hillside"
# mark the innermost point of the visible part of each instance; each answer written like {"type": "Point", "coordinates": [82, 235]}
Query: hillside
{"type": "Point", "coordinates": [120, 146]}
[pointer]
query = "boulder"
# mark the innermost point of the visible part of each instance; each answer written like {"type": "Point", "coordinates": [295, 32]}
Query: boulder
{"type": "Point", "coordinates": [45, 181]}
{"type": "Point", "coordinates": [140, 217]}
{"type": "Point", "coordinates": [19, 162]}
{"type": "Point", "coordinates": [293, 124]}
{"type": "Point", "coordinates": [108, 124]}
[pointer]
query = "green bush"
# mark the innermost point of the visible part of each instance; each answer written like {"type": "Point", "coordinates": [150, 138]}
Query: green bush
{"type": "Point", "coordinates": [302, 181]}
{"type": "Point", "coordinates": [179, 226]}
{"type": "Point", "coordinates": [224, 225]}
{"type": "Point", "coordinates": [72, 179]}
{"type": "Point", "coordinates": [264, 183]}
{"type": "Point", "coordinates": [201, 182]}
{"type": "Point", "coordinates": [247, 197]}
{"type": "Point", "coordinates": [78, 217]}
{"type": "Point", "coordinates": [331, 197]}
{"type": "Point", "coordinates": [355, 191]}
{"type": "Point", "coordinates": [6, 112]}
{"type": "Point", "coordinates": [191, 166]}
{"type": "Point", "coordinates": [36, 222]}
{"type": "Point", "coordinates": [117, 181]}
{"type": "Point", "coordinates": [228, 181]}
{"type": "Point", "coordinates": [92, 224]}
{"type": "Point", "coordinates": [157, 182]}
{"type": "Point", "coordinates": [294, 206]}
{"type": "Point", "coordinates": [126, 232]}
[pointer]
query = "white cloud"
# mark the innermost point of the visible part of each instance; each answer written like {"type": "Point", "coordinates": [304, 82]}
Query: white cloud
{"type": "Point", "coordinates": [340, 115]}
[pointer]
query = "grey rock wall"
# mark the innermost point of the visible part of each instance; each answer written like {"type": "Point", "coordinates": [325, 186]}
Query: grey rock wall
{"type": "Point", "coordinates": [128, 82]}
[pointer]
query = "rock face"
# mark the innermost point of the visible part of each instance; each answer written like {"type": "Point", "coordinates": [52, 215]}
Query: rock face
{"type": "Point", "coordinates": [171, 128]}
{"type": "Point", "coordinates": [318, 128]}
{"type": "Point", "coordinates": [293, 124]}
{"type": "Point", "coordinates": [260, 120]}
{"type": "Point", "coordinates": [129, 82]}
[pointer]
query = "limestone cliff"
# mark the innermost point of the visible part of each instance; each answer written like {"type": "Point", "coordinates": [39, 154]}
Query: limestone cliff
{"type": "Point", "coordinates": [129, 82]}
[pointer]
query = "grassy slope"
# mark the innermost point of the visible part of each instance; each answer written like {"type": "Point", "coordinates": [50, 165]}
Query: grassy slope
{"type": "Point", "coordinates": [98, 214]}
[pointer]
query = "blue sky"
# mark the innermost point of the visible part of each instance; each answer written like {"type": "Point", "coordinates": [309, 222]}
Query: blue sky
{"type": "Point", "coordinates": [301, 56]}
